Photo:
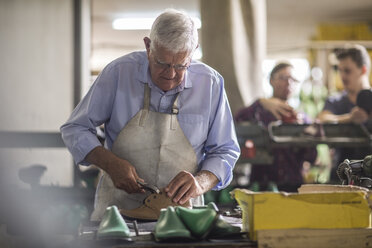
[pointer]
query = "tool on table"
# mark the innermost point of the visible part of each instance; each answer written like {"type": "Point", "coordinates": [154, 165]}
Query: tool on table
{"type": "Point", "coordinates": [356, 172]}
{"type": "Point", "coordinates": [149, 187]}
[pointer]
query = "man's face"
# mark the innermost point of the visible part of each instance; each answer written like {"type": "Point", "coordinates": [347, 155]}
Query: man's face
{"type": "Point", "coordinates": [167, 69]}
{"type": "Point", "coordinates": [282, 83]}
{"type": "Point", "coordinates": [350, 74]}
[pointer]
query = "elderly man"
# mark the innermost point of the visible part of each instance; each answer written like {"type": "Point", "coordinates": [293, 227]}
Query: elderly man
{"type": "Point", "coordinates": [167, 122]}
{"type": "Point", "coordinates": [354, 67]}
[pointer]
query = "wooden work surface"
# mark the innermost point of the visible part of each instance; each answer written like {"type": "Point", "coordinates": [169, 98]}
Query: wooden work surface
{"type": "Point", "coordinates": [319, 238]}
{"type": "Point", "coordinates": [149, 244]}
{"type": "Point", "coordinates": [144, 238]}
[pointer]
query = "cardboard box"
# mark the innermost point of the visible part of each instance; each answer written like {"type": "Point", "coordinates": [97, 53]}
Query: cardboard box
{"type": "Point", "coordinates": [269, 210]}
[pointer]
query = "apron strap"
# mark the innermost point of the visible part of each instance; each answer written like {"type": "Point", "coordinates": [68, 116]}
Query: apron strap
{"type": "Point", "coordinates": [146, 105]}
{"type": "Point", "coordinates": [174, 106]}
{"type": "Point", "coordinates": [174, 113]}
{"type": "Point", "coordinates": [146, 109]}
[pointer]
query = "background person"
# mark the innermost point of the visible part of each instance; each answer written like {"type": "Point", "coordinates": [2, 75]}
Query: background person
{"type": "Point", "coordinates": [286, 169]}
{"type": "Point", "coordinates": [354, 67]}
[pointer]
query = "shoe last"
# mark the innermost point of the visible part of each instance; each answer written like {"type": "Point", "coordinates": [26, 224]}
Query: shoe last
{"type": "Point", "coordinates": [112, 225]}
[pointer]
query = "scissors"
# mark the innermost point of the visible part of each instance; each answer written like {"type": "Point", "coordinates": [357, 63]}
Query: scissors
{"type": "Point", "coordinates": [149, 187]}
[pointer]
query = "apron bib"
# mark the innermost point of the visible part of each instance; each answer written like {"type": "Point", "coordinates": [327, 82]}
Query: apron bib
{"type": "Point", "coordinates": [156, 146]}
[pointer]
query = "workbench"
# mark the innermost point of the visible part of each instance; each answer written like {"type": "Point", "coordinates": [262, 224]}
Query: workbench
{"type": "Point", "coordinates": [141, 236]}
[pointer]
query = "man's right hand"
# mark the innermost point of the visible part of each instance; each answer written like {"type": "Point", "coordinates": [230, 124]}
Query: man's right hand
{"type": "Point", "coordinates": [124, 176]}
{"type": "Point", "coordinates": [121, 172]}
{"type": "Point", "coordinates": [277, 107]}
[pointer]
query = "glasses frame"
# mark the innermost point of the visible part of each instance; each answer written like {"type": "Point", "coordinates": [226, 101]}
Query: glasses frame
{"type": "Point", "coordinates": [166, 66]}
{"type": "Point", "coordinates": [286, 78]}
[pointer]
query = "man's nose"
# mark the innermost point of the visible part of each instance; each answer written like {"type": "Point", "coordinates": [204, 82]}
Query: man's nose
{"type": "Point", "coordinates": [170, 72]}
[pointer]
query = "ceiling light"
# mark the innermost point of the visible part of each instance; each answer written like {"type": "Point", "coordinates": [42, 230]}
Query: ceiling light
{"type": "Point", "coordinates": [140, 23]}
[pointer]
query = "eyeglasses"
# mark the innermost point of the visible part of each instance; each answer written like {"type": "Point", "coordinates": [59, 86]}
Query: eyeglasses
{"type": "Point", "coordinates": [165, 66]}
{"type": "Point", "coordinates": [287, 78]}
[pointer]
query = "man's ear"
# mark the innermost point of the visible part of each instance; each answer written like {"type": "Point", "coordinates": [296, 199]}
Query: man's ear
{"type": "Point", "coordinates": [147, 42]}
{"type": "Point", "coordinates": [364, 69]}
{"type": "Point", "coordinates": [271, 82]}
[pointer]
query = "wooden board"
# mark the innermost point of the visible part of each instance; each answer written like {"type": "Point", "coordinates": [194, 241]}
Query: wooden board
{"type": "Point", "coordinates": [319, 238]}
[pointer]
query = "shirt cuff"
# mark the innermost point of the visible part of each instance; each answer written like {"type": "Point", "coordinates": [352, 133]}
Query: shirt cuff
{"type": "Point", "coordinates": [221, 169]}
{"type": "Point", "coordinates": [83, 145]}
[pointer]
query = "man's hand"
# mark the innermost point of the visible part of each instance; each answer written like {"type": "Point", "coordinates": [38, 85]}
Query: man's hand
{"type": "Point", "coordinates": [124, 176]}
{"type": "Point", "coordinates": [277, 107]}
{"type": "Point", "coordinates": [358, 115]}
{"type": "Point", "coordinates": [122, 173]}
{"type": "Point", "coordinates": [185, 186]}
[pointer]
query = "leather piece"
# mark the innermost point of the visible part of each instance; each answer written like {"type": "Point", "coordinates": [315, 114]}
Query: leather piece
{"type": "Point", "coordinates": [150, 210]}
{"type": "Point", "coordinates": [112, 225]}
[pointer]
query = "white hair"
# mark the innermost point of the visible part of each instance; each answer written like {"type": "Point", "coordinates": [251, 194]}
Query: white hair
{"type": "Point", "coordinates": [175, 31]}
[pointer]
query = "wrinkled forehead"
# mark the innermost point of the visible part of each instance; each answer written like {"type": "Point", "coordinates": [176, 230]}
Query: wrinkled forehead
{"type": "Point", "coordinates": [166, 56]}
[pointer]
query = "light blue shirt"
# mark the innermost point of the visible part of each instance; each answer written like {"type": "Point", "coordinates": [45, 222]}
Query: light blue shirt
{"type": "Point", "coordinates": [117, 95]}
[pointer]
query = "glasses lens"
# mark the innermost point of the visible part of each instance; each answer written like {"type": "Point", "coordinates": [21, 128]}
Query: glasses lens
{"type": "Point", "coordinates": [164, 66]}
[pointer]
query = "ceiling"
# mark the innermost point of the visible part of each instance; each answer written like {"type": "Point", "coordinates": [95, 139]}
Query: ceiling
{"type": "Point", "coordinates": [290, 23]}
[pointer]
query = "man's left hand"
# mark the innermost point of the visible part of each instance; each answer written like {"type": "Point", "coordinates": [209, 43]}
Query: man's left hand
{"type": "Point", "coordinates": [185, 186]}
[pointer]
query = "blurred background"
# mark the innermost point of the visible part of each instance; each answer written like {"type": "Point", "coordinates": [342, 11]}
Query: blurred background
{"type": "Point", "coordinates": [52, 50]}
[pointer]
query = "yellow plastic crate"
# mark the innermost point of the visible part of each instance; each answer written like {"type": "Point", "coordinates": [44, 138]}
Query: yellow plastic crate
{"type": "Point", "coordinates": [268, 210]}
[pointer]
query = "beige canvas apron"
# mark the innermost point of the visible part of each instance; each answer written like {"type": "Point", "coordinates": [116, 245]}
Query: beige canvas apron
{"type": "Point", "coordinates": [156, 146]}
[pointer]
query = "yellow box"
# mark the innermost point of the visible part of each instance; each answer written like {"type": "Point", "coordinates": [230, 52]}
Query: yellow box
{"type": "Point", "coordinates": [269, 210]}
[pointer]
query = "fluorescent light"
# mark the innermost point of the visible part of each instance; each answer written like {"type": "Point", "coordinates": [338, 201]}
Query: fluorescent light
{"type": "Point", "coordinates": [132, 23]}
{"type": "Point", "coordinates": [140, 23]}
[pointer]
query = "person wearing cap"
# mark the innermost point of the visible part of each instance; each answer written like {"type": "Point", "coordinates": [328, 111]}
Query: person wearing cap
{"type": "Point", "coordinates": [354, 65]}
{"type": "Point", "coordinates": [286, 170]}
{"type": "Point", "coordinates": [166, 118]}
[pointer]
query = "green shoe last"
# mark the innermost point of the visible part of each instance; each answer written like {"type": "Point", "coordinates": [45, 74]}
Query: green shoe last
{"type": "Point", "coordinates": [113, 225]}
{"type": "Point", "coordinates": [169, 226]}
{"type": "Point", "coordinates": [198, 221]}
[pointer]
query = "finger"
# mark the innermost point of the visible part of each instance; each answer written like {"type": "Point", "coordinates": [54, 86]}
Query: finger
{"type": "Point", "coordinates": [286, 112]}
{"type": "Point", "coordinates": [277, 115]}
{"type": "Point", "coordinates": [136, 177]}
{"type": "Point", "coordinates": [133, 185]}
{"type": "Point", "coordinates": [181, 192]}
{"type": "Point", "coordinates": [186, 197]}
{"type": "Point", "coordinates": [174, 184]}
{"type": "Point", "coordinates": [136, 186]}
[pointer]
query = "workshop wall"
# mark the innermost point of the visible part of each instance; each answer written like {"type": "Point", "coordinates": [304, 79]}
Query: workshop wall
{"type": "Point", "coordinates": [36, 83]}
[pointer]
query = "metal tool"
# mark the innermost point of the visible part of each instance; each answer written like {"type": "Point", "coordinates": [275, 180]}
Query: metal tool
{"type": "Point", "coordinates": [356, 172]}
{"type": "Point", "coordinates": [149, 187]}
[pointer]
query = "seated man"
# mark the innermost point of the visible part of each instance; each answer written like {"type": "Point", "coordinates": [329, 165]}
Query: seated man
{"type": "Point", "coordinates": [286, 170]}
{"type": "Point", "coordinates": [354, 66]}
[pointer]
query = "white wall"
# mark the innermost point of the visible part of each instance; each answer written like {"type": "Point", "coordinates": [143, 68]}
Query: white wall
{"type": "Point", "coordinates": [36, 94]}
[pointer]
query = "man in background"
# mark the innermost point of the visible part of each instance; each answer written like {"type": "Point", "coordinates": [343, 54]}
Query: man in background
{"type": "Point", "coordinates": [286, 170]}
{"type": "Point", "coordinates": [354, 67]}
